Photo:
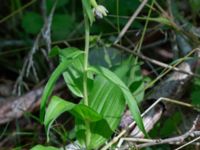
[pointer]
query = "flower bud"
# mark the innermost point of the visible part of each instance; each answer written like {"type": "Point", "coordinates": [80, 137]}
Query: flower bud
{"type": "Point", "coordinates": [100, 11]}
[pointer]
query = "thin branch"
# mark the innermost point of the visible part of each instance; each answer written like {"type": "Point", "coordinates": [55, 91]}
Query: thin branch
{"type": "Point", "coordinates": [176, 140]}
{"type": "Point", "coordinates": [156, 62]}
{"type": "Point", "coordinates": [152, 142]}
{"type": "Point", "coordinates": [194, 140]}
{"type": "Point", "coordinates": [126, 27]}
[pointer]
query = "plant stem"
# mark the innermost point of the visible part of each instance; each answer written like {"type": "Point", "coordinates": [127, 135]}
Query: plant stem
{"type": "Point", "coordinates": [85, 90]}
{"type": "Point", "coordinates": [93, 3]}
{"type": "Point", "coordinates": [87, 35]}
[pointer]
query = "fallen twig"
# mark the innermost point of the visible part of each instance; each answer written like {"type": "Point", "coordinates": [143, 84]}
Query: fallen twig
{"type": "Point", "coordinates": [14, 108]}
{"type": "Point", "coordinates": [193, 132]}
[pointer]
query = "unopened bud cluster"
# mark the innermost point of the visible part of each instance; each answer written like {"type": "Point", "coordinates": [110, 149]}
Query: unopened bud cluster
{"type": "Point", "coordinates": [99, 10]}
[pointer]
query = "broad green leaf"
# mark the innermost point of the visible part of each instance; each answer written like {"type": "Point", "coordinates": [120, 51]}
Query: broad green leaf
{"type": "Point", "coordinates": [106, 98]}
{"type": "Point", "coordinates": [81, 112]}
{"type": "Point", "coordinates": [62, 25]}
{"type": "Point", "coordinates": [56, 107]}
{"type": "Point", "coordinates": [54, 51]}
{"type": "Point", "coordinates": [69, 53]}
{"type": "Point", "coordinates": [99, 132]}
{"type": "Point", "coordinates": [32, 22]}
{"type": "Point", "coordinates": [70, 77]}
{"type": "Point", "coordinates": [75, 70]}
{"type": "Point", "coordinates": [170, 125]}
{"type": "Point", "coordinates": [85, 113]}
{"type": "Point", "coordinates": [74, 74]}
{"type": "Point", "coordinates": [126, 93]}
{"type": "Point", "coordinates": [50, 84]}
{"type": "Point", "coordinates": [41, 147]}
{"type": "Point", "coordinates": [80, 130]}
{"type": "Point", "coordinates": [105, 56]}
{"type": "Point", "coordinates": [100, 128]}
{"type": "Point", "coordinates": [88, 9]}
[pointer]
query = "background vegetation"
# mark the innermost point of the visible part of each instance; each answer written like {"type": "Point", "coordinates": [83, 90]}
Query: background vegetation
{"type": "Point", "coordinates": [36, 37]}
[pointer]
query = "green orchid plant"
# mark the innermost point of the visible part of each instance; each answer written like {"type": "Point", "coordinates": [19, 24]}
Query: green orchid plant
{"type": "Point", "coordinates": [103, 94]}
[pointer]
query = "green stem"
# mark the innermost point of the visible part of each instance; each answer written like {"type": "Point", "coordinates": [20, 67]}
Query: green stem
{"type": "Point", "coordinates": [93, 3]}
{"type": "Point", "coordinates": [87, 36]}
{"type": "Point", "coordinates": [85, 90]}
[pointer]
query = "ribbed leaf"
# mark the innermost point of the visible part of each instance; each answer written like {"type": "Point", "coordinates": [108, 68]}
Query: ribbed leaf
{"type": "Point", "coordinates": [56, 107]}
{"type": "Point", "coordinates": [49, 86]}
{"type": "Point", "coordinates": [69, 53]}
{"type": "Point", "coordinates": [53, 78]}
{"type": "Point", "coordinates": [41, 147]}
{"type": "Point", "coordinates": [100, 131]}
{"type": "Point", "coordinates": [81, 112]}
{"type": "Point", "coordinates": [73, 75]}
{"type": "Point", "coordinates": [106, 98]}
{"type": "Point", "coordinates": [126, 93]}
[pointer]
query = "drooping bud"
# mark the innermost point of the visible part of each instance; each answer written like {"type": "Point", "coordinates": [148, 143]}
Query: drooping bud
{"type": "Point", "coordinates": [100, 11]}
